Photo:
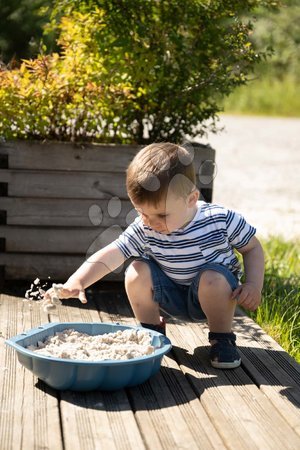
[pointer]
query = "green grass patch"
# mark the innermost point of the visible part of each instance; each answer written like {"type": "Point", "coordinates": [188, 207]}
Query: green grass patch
{"type": "Point", "coordinates": [266, 96]}
{"type": "Point", "coordinates": [279, 312]}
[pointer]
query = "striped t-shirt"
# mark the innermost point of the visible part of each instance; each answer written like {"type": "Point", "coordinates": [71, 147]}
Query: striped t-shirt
{"type": "Point", "coordinates": [210, 237]}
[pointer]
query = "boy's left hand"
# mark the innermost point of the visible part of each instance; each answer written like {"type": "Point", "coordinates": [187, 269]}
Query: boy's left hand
{"type": "Point", "coordinates": [248, 296]}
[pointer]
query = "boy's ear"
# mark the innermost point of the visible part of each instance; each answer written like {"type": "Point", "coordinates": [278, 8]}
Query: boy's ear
{"type": "Point", "coordinates": [193, 198]}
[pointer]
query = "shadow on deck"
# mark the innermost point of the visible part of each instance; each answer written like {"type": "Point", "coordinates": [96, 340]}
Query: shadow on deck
{"type": "Point", "coordinates": [188, 404]}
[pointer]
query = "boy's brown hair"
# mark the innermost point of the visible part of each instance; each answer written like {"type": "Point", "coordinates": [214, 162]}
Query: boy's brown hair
{"type": "Point", "coordinates": [156, 169]}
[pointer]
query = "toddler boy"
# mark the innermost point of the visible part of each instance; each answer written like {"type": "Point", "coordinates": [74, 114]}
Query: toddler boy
{"type": "Point", "coordinates": [184, 252]}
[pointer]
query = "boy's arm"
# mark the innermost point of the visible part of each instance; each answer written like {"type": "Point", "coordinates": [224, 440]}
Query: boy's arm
{"type": "Point", "coordinates": [93, 269]}
{"type": "Point", "coordinates": [249, 293]}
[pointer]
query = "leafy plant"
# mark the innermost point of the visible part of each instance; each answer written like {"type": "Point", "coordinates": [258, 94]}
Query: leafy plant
{"type": "Point", "coordinates": [279, 312]}
{"type": "Point", "coordinates": [275, 85]}
{"type": "Point", "coordinates": [130, 71]}
{"type": "Point", "coordinates": [280, 32]}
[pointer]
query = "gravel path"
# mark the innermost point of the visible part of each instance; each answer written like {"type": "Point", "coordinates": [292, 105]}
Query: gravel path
{"type": "Point", "coordinates": [258, 172]}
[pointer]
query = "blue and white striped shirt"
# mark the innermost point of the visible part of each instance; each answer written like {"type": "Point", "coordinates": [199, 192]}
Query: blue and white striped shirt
{"type": "Point", "coordinates": [211, 236]}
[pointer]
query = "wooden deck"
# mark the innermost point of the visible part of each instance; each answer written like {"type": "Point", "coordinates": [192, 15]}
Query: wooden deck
{"type": "Point", "coordinates": [187, 405]}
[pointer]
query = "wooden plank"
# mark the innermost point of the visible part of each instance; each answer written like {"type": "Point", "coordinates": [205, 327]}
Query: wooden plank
{"type": "Point", "coordinates": [88, 157]}
{"type": "Point", "coordinates": [72, 310]}
{"type": "Point", "coordinates": [66, 212]}
{"type": "Point", "coordinates": [67, 156]}
{"type": "Point", "coordinates": [67, 240]}
{"type": "Point", "coordinates": [253, 333]}
{"type": "Point", "coordinates": [152, 422]}
{"type": "Point", "coordinates": [188, 402]}
{"type": "Point", "coordinates": [247, 412]}
{"type": "Point", "coordinates": [29, 415]}
{"type": "Point", "coordinates": [166, 399]}
{"type": "Point", "coordinates": [62, 184]}
{"type": "Point", "coordinates": [98, 420]}
{"type": "Point", "coordinates": [27, 266]}
{"type": "Point", "coordinates": [276, 374]}
{"type": "Point", "coordinates": [252, 395]}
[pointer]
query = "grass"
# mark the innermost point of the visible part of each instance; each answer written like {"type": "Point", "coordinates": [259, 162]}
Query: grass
{"type": "Point", "coordinates": [279, 313]}
{"type": "Point", "coordinates": [266, 96]}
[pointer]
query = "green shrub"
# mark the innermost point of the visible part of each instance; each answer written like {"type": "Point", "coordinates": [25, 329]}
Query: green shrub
{"type": "Point", "coordinates": [275, 87]}
{"type": "Point", "coordinates": [279, 312]}
{"type": "Point", "coordinates": [130, 71]}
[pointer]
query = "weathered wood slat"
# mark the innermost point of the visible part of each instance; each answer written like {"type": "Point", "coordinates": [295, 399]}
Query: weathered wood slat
{"type": "Point", "coordinates": [234, 422]}
{"type": "Point", "coordinates": [236, 396]}
{"type": "Point", "coordinates": [65, 185]}
{"type": "Point", "coordinates": [29, 416]}
{"type": "Point", "coordinates": [72, 310]}
{"type": "Point", "coordinates": [69, 240]}
{"type": "Point", "coordinates": [157, 406]}
{"type": "Point", "coordinates": [65, 156]}
{"type": "Point", "coordinates": [81, 157]}
{"type": "Point", "coordinates": [250, 393]}
{"type": "Point", "coordinates": [188, 404]}
{"type": "Point", "coordinates": [51, 184]}
{"type": "Point", "coordinates": [62, 184]}
{"type": "Point", "coordinates": [276, 374]}
{"type": "Point", "coordinates": [109, 423]}
{"type": "Point", "coordinates": [26, 266]}
{"type": "Point", "coordinates": [98, 420]}
{"type": "Point", "coordinates": [65, 212]}
{"type": "Point", "coordinates": [283, 363]}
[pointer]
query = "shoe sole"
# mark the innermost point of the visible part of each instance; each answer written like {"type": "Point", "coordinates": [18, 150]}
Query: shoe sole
{"type": "Point", "coordinates": [226, 365]}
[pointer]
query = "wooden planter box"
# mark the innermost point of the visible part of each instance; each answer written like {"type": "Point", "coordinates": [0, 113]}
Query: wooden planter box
{"type": "Point", "coordinates": [52, 196]}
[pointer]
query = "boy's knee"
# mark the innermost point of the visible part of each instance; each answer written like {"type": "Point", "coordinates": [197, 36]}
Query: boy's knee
{"type": "Point", "coordinates": [138, 273]}
{"type": "Point", "coordinates": [211, 280]}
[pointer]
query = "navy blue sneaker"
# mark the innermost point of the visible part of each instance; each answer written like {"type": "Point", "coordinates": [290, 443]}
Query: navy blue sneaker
{"type": "Point", "coordinates": [224, 354]}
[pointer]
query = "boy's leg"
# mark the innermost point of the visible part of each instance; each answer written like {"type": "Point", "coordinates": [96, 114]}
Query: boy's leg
{"type": "Point", "coordinates": [214, 293]}
{"type": "Point", "coordinates": [150, 290]}
{"type": "Point", "coordinates": [139, 289]}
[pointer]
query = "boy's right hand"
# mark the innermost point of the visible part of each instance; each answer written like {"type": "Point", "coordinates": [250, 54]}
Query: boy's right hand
{"type": "Point", "coordinates": [68, 290]}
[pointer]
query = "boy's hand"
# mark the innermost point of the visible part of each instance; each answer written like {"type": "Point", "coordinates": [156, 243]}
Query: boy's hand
{"type": "Point", "coordinates": [248, 296]}
{"type": "Point", "coordinates": [69, 290]}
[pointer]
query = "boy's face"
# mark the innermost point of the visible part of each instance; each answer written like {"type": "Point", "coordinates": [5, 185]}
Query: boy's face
{"type": "Point", "coordinates": [170, 214]}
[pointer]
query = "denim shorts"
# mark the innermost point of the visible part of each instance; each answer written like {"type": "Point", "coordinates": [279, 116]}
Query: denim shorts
{"type": "Point", "coordinates": [180, 300]}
